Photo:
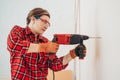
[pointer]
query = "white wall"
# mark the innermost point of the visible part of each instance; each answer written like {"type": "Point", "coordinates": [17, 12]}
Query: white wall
{"type": "Point", "coordinates": [97, 18]}
{"type": "Point", "coordinates": [109, 26]}
{"type": "Point", "coordinates": [101, 18]}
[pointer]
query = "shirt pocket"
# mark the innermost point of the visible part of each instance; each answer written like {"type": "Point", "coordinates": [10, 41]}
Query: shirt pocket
{"type": "Point", "coordinates": [31, 60]}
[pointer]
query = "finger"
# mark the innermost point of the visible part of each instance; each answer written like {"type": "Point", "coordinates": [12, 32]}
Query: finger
{"type": "Point", "coordinates": [55, 51]}
{"type": "Point", "coordinates": [57, 44]}
{"type": "Point", "coordinates": [84, 51]}
{"type": "Point", "coordinates": [56, 48]}
{"type": "Point", "coordinates": [84, 54]}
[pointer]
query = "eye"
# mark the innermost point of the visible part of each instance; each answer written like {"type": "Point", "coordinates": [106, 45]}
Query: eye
{"type": "Point", "coordinates": [45, 21]}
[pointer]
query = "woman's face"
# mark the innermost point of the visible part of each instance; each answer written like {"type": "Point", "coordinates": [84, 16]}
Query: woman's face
{"type": "Point", "coordinates": [42, 24]}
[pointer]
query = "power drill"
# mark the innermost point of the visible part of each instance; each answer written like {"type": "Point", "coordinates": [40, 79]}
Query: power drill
{"type": "Point", "coordinates": [69, 39]}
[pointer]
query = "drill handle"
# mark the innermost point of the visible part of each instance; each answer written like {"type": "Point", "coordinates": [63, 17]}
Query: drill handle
{"type": "Point", "coordinates": [54, 40]}
{"type": "Point", "coordinates": [81, 53]}
{"type": "Point", "coordinates": [81, 42]}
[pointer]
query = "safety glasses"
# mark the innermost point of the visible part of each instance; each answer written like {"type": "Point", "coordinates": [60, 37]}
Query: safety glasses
{"type": "Point", "coordinates": [45, 22]}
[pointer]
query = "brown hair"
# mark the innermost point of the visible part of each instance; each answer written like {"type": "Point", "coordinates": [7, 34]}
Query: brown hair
{"type": "Point", "coordinates": [36, 12]}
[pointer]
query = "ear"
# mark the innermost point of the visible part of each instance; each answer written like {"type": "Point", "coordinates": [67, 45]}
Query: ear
{"type": "Point", "coordinates": [32, 19]}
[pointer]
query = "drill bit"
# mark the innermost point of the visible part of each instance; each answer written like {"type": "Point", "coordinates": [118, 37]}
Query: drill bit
{"type": "Point", "coordinates": [95, 37]}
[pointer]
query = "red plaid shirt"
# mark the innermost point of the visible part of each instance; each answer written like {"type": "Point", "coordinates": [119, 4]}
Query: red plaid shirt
{"type": "Point", "coordinates": [30, 66]}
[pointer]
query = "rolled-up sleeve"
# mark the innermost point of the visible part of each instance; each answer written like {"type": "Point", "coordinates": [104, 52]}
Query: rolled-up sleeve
{"type": "Point", "coordinates": [57, 64]}
{"type": "Point", "coordinates": [16, 44]}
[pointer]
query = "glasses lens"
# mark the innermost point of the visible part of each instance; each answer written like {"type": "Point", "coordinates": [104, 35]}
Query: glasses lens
{"type": "Point", "coordinates": [45, 22]}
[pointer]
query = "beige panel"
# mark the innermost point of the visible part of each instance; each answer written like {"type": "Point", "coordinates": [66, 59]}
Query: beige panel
{"type": "Point", "coordinates": [61, 75]}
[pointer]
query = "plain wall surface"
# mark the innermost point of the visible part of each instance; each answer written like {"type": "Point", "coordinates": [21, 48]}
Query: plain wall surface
{"type": "Point", "coordinates": [97, 18]}
{"type": "Point", "coordinates": [101, 18]}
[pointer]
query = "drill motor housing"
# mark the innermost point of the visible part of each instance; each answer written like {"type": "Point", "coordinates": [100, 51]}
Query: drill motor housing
{"type": "Point", "coordinates": [69, 39]}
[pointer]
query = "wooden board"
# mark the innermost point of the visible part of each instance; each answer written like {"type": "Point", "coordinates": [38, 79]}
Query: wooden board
{"type": "Point", "coordinates": [60, 75]}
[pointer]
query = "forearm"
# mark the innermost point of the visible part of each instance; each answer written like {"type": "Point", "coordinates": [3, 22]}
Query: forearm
{"type": "Point", "coordinates": [66, 59]}
{"type": "Point", "coordinates": [56, 64]}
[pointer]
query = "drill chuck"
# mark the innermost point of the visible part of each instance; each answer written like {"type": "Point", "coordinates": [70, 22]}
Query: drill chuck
{"type": "Point", "coordinates": [76, 38]}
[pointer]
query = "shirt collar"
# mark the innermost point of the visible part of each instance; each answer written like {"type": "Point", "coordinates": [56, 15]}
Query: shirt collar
{"type": "Point", "coordinates": [28, 31]}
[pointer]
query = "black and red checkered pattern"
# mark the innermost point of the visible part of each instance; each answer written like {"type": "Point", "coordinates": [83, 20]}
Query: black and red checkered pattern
{"type": "Point", "coordinates": [30, 66]}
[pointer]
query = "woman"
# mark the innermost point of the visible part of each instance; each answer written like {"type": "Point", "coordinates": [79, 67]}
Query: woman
{"type": "Point", "coordinates": [29, 49]}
